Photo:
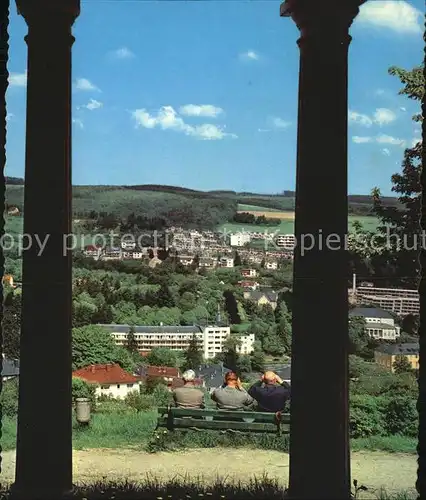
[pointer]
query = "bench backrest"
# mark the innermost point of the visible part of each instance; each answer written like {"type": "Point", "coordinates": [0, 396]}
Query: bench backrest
{"type": "Point", "coordinates": [245, 421]}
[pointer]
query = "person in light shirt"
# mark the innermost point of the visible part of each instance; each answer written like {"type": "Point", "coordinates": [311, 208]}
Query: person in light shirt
{"type": "Point", "coordinates": [232, 395]}
{"type": "Point", "coordinates": [188, 396]}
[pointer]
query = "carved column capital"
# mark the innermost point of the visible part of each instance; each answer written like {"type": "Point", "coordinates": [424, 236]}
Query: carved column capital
{"type": "Point", "coordinates": [43, 11]}
{"type": "Point", "coordinates": [325, 18]}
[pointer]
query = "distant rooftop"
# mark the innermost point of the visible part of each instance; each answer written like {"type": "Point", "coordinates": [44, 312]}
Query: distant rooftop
{"type": "Point", "coordinates": [399, 349]}
{"type": "Point", "coordinates": [370, 312]}
{"type": "Point", "coordinates": [153, 329]}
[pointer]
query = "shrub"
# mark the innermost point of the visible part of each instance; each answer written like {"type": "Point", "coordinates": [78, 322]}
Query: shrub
{"type": "Point", "coordinates": [9, 398]}
{"type": "Point", "coordinates": [81, 389]}
{"type": "Point", "coordinates": [152, 382]}
{"type": "Point", "coordinates": [140, 402]}
{"type": "Point", "coordinates": [400, 416]}
{"type": "Point", "coordinates": [109, 405]}
{"type": "Point", "coordinates": [366, 417]}
{"type": "Point", "coordinates": [162, 396]}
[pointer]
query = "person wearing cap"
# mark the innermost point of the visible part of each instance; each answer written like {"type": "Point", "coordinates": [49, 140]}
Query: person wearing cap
{"type": "Point", "coordinates": [188, 396]}
{"type": "Point", "coordinates": [271, 393]}
{"type": "Point", "coordinates": [232, 395]}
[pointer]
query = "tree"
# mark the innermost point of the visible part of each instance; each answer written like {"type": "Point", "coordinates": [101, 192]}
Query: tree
{"type": "Point", "coordinates": [195, 262]}
{"type": "Point", "coordinates": [11, 325]}
{"type": "Point", "coordinates": [164, 297]}
{"type": "Point", "coordinates": [131, 342]}
{"type": "Point", "coordinates": [187, 301]}
{"type": "Point", "coordinates": [272, 344]}
{"type": "Point", "coordinates": [243, 365]}
{"type": "Point", "coordinates": [402, 365]}
{"type": "Point", "coordinates": [230, 350]}
{"type": "Point", "coordinates": [161, 356]}
{"type": "Point", "coordinates": [358, 337]}
{"type": "Point", "coordinates": [410, 324]}
{"type": "Point", "coordinates": [231, 307]}
{"type": "Point", "coordinates": [284, 330]}
{"type": "Point", "coordinates": [92, 345]}
{"type": "Point", "coordinates": [400, 225]}
{"type": "Point", "coordinates": [258, 358]}
{"type": "Point", "coordinates": [193, 355]}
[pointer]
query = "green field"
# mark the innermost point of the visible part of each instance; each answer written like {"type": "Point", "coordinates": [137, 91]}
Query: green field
{"type": "Point", "coordinates": [287, 226]}
{"type": "Point", "coordinates": [255, 208]}
{"type": "Point", "coordinates": [14, 226]}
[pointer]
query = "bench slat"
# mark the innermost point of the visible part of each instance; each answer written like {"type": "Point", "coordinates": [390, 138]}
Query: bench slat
{"type": "Point", "coordinates": [258, 417]}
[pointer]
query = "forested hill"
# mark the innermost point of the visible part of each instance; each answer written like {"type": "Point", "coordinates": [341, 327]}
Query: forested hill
{"type": "Point", "coordinates": [176, 204]}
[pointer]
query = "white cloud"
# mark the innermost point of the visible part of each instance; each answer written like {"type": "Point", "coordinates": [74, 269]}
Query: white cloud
{"type": "Point", "coordinates": [78, 122]}
{"type": "Point", "coordinates": [386, 151]}
{"type": "Point", "coordinates": [360, 140]}
{"type": "Point", "coordinates": [396, 15]}
{"type": "Point", "coordinates": [91, 105]}
{"type": "Point", "coordinates": [18, 79]}
{"type": "Point", "coordinates": [123, 53]}
{"type": "Point", "coordinates": [380, 139]}
{"type": "Point", "coordinates": [415, 141]}
{"type": "Point", "coordinates": [9, 116]}
{"type": "Point", "coordinates": [263, 130]}
{"type": "Point", "coordinates": [250, 55]}
{"type": "Point", "coordinates": [168, 119]}
{"type": "Point", "coordinates": [364, 120]}
{"type": "Point", "coordinates": [379, 92]}
{"type": "Point", "coordinates": [205, 110]}
{"type": "Point", "coordinates": [403, 109]}
{"type": "Point", "coordinates": [384, 116]}
{"type": "Point", "coordinates": [387, 139]}
{"type": "Point", "coordinates": [280, 123]}
{"type": "Point", "coordinates": [84, 84]}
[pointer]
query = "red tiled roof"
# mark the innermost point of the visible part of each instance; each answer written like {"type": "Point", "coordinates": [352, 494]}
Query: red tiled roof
{"type": "Point", "coordinates": [105, 374]}
{"type": "Point", "coordinates": [162, 371]}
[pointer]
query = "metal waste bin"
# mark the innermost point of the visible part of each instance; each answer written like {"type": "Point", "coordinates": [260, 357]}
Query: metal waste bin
{"type": "Point", "coordinates": [82, 410]}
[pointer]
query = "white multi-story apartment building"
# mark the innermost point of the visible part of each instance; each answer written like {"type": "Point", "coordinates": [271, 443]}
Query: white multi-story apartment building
{"type": "Point", "coordinates": [379, 324]}
{"type": "Point", "coordinates": [399, 301]}
{"type": "Point", "coordinates": [247, 343]}
{"type": "Point", "coordinates": [287, 241]}
{"type": "Point", "coordinates": [211, 338]}
{"type": "Point", "coordinates": [239, 239]}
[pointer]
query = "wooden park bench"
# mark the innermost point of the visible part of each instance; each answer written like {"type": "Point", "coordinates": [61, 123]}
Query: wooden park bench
{"type": "Point", "coordinates": [173, 418]}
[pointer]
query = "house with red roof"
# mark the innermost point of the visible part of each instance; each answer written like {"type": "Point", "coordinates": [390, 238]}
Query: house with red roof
{"type": "Point", "coordinates": [109, 379]}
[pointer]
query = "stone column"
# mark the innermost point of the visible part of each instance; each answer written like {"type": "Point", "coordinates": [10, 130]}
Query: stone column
{"type": "Point", "coordinates": [319, 441]}
{"type": "Point", "coordinates": [44, 448]}
{"type": "Point", "coordinates": [4, 76]}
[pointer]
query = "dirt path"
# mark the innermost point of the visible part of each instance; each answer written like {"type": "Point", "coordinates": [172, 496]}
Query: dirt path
{"type": "Point", "coordinates": [376, 470]}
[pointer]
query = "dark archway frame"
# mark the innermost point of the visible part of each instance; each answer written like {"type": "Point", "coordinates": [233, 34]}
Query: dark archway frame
{"type": "Point", "coordinates": [319, 454]}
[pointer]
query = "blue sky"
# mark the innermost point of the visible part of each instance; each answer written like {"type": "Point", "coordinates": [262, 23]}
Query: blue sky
{"type": "Point", "coordinates": [204, 94]}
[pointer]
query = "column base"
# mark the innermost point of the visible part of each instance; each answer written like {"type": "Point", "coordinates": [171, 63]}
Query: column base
{"type": "Point", "coordinates": [18, 493]}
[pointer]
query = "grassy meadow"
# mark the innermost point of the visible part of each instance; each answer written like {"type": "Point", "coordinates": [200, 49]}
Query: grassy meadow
{"type": "Point", "coordinates": [287, 226]}
{"type": "Point", "coordinates": [120, 428]}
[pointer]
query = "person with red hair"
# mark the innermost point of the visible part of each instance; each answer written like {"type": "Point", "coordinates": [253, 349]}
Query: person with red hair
{"type": "Point", "coordinates": [232, 395]}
